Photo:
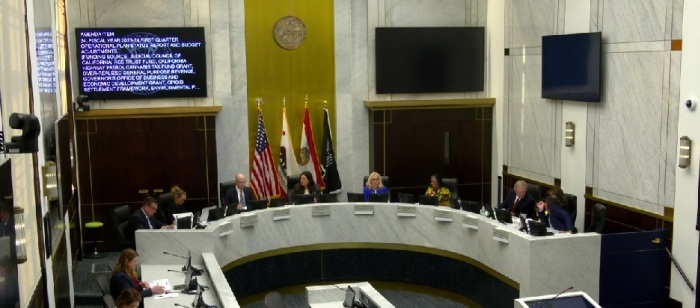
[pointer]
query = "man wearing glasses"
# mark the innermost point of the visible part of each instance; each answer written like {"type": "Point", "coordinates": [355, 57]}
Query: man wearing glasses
{"type": "Point", "coordinates": [143, 218]}
{"type": "Point", "coordinates": [239, 194]}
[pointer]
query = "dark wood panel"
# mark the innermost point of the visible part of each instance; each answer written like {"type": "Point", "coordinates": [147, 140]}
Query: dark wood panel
{"type": "Point", "coordinates": [411, 145]}
{"type": "Point", "coordinates": [121, 158]}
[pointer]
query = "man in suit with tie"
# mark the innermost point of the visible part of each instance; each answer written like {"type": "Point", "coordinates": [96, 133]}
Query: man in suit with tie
{"type": "Point", "coordinates": [143, 218]}
{"type": "Point", "coordinates": [519, 201]}
{"type": "Point", "coordinates": [239, 194]}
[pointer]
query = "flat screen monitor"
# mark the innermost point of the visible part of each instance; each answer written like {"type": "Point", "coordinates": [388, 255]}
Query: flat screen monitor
{"type": "Point", "coordinates": [184, 222]}
{"type": "Point", "coordinates": [571, 67]}
{"type": "Point", "coordinates": [326, 198]}
{"type": "Point", "coordinates": [141, 63]}
{"type": "Point", "coordinates": [471, 206]}
{"type": "Point", "coordinates": [427, 200]}
{"type": "Point", "coordinates": [356, 197]}
{"type": "Point", "coordinates": [198, 301]}
{"type": "Point", "coordinates": [406, 198]}
{"type": "Point", "coordinates": [379, 198]}
{"type": "Point", "coordinates": [277, 202]}
{"type": "Point", "coordinates": [217, 213]}
{"type": "Point", "coordinates": [256, 205]}
{"type": "Point", "coordinates": [304, 199]}
{"type": "Point", "coordinates": [429, 59]}
{"type": "Point", "coordinates": [504, 216]}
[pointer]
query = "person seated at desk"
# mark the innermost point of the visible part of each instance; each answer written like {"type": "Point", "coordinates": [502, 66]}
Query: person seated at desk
{"type": "Point", "coordinates": [130, 298]}
{"type": "Point", "coordinates": [436, 188]}
{"type": "Point", "coordinates": [542, 212]}
{"type": "Point", "coordinates": [374, 185]}
{"type": "Point", "coordinates": [563, 200]}
{"type": "Point", "coordinates": [559, 219]}
{"type": "Point", "coordinates": [306, 186]}
{"type": "Point", "coordinates": [125, 277]}
{"type": "Point", "coordinates": [173, 206]}
{"type": "Point", "coordinates": [519, 201]}
{"type": "Point", "coordinates": [239, 194]}
{"type": "Point", "coordinates": [143, 218]}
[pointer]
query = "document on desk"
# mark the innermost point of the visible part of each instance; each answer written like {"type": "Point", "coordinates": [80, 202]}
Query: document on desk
{"type": "Point", "coordinates": [165, 283]}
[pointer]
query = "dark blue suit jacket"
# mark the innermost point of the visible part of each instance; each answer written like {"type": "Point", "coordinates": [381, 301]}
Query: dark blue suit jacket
{"type": "Point", "coordinates": [120, 281]}
{"type": "Point", "coordinates": [231, 197]}
{"type": "Point", "coordinates": [526, 205]}
{"type": "Point", "coordinates": [138, 220]}
{"type": "Point", "coordinates": [560, 219]}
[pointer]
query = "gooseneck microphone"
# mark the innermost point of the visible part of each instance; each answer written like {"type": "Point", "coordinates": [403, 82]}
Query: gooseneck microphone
{"type": "Point", "coordinates": [180, 305]}
{"type": "Point", "coordinates": [172, 254]}
{"type": "Point", "coordinates": [553, 298]}
{"type": "Point", "coordinates": [175, 271]}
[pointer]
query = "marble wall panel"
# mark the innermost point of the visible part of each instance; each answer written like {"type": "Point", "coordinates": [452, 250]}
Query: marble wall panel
{"type": "Point", "coordinates": [634, 20]}
{"type": "Point", "coordinates": [629, 126]}
{"type": "Point", "coordinates": [531, 120]}
{"type": "Point", "coordinates": [677, 24]}
{"type": "Point", "coordinates": [136, 13]}
{"type": "Point", "coordinates": [427, 13]}
{"type": "Point", "coordinates": [531, 20]}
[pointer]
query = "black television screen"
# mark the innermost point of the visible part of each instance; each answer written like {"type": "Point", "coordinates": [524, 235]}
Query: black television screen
{"type": "Point", "coordinates": [571, 67]}
{"type": "Point", "coordinates": [141, 63]}
{"type": "Point", "coordinates": [429, 60]}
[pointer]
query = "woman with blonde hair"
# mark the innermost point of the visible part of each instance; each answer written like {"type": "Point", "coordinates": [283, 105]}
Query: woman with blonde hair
{"type": "Point", "coordinates": [167, 207]}
{"type": "Point", "coordinates": [125, 277]}
{"type": "Point", "coordinates": [374, 185]}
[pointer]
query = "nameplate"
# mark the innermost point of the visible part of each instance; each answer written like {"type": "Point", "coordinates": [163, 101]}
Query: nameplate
{"type": "Point", "coordinates": [470, 222]}
{"type": "Point", "coordinates": [321, 210]}
{"type": "Point", "coordinates": [443, 216]}
{"type": "Point", "coordinates": [405, 211]}
{"type": "Point", "coordinates": [249, 220]}
{"type": "Point", "coordinates": [364, 209]}
{"type": "Point", "coordinates": [280, 214]}
{"type": "Point", "coordinates": [225, 229]}
{"type": "Point", "coordinates": [501, 235]}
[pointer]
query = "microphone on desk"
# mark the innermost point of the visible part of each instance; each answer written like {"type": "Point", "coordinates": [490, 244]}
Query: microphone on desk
{"type": "Point", "coordinates": [181, 305]}
{"type": "Point", "coordinates": [553, 298]}
{"type": "Point", "coordinates": [176, 271]}
{"type": "Point", "coordinates": [172, 254]}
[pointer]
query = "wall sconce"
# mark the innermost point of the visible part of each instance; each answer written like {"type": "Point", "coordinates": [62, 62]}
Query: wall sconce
{"type": "Point", "coordinates": [20, 238]}
{"type": "Point", "coordinates": [50, 181]}
{"type": "Point", "coordinates": [569, 134]}
{"type": "Point", "coordinates": [684, 152]}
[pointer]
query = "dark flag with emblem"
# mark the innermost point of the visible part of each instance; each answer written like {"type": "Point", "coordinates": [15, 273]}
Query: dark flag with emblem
{"type": "Point", "coordinates": [328, 163]}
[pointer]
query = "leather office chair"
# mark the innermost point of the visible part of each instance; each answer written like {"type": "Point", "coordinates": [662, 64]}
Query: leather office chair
{"type": "Point", "coordinates": [274, 300]}
{"type": "Point", "coordinates": [385, 182]}
{"type": "Point", "coordinates": [534, 191]}
{"type": "Point", "coordinates": [291, 181]}
{"type": "Point", "coordinates": [451, 184]}
{"type": "Point", "coordinates": [223, 188]}
{"type": "Point", "coordinates": [120, 220]}
{"type": "Point", "coordinates": [163, 202]}
{"type": "Point", "coordinates": [599, 215]}
{"type": "Point", "coordinates": [573, 207]}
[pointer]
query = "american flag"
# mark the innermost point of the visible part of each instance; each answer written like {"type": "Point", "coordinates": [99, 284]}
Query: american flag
{"type": "Point", "coordinates": [263, 177]}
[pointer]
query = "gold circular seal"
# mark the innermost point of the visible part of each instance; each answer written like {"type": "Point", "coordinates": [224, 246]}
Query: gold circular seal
{"type": "Point", "coordinates": [290, 32]}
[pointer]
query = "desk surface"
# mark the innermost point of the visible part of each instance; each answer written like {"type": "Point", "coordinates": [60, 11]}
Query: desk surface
{"type": "Point", "coordinates": [537, 265]}
{"type": "Point", "coordinates": [155, 272]}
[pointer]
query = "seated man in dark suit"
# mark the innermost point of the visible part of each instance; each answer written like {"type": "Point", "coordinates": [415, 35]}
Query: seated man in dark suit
{"type": "Point", "coordinates": [519, 201]}
{"type": "Point", "coordinates": [143, 218]}
{"type": "Point", "coordinates": [239, 194]}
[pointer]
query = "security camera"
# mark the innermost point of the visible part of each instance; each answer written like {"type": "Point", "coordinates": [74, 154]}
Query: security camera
{"type": "Point", "coordinates": [81, 103]}
{"type": "Point", "coordinates": [691, 103]}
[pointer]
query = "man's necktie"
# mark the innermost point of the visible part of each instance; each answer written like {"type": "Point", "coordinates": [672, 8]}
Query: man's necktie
{"type": "Point", "coordinates": [515, 205]}
{"type": "Point", "coordinates": [150, 226]}
{"type": "Point", "coordinates": [241, 198]}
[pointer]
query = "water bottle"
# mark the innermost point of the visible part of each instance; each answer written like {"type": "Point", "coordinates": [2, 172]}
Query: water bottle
{"type": "Point", "coordinates": [483, 211]}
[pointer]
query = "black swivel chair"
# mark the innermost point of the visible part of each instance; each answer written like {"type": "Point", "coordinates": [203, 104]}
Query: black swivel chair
{"type": "Point", "coordinates": [291, 181]}
{"type": "Point", "coordinates": [451, 184]}
{"type": "Point", "coordinates": [120, 220]}
{"type": "Point", "coordinates": [534, 191]}
{"type": "Point", "coordinates": [163, 202]}
{"type": "Point", "coordinates": [223, 188]}
{"type": "Point", "coordinates": [600, 213]}
{"type": "Point", "coordinates": [573, 208]}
